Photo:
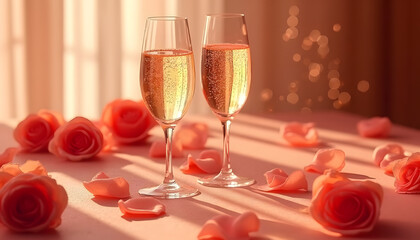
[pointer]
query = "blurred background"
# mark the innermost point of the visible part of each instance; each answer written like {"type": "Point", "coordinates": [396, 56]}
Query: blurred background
{"type": "Point", "coordinates": [74, 56]}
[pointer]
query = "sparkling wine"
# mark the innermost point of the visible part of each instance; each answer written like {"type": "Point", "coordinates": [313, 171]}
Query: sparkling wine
{"type": "Point", "coordinates": [226, 77]}
{"type": "Point", "coordinates": [168, 83]}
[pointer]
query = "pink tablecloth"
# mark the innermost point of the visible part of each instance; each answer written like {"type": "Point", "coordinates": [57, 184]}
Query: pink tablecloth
{"type": "Point", "coordinates": [255, 148]}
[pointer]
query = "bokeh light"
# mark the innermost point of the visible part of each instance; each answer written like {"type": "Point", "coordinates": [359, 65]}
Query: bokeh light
{"type": "Point", "coordinates": [314, 35]}
{"type": "Point", "coordinates": [266, 94]}
{"type": "Point", "coordinates": [306, 44]}
{"type": "Point", "coordinates": [363, 86]}
{"type": "Point", "coordinates": [337, 104]}
{"type": "Point", "coordinates": [293, 87]}
{"type": "Point", "coordinates": [294, 10]}
{"type": "Point", "coordinates": [336, 27]}
{"type": "Point", "coordinates": [297, 57]}
{"type": "Point", "coordinates": [344, 97]}
{"type": "Point", "coordinates": [333, 74]}
{"type": "Point", "coordinates": [334, 83]}
{"type": "Point", "coordinates": [333, 94]}
{"type": "Point", "coordinates": [292, 98]}
{"type": "Point", "coordinates": [292, 21]}
{"type": "Point", "coordinates": [292, 32]}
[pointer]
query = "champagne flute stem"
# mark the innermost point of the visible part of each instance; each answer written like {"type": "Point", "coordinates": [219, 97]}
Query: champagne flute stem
{"type": "Point", "coordinates": [226, 168]}
{"type": "Point", "coordinates": [169, 175]}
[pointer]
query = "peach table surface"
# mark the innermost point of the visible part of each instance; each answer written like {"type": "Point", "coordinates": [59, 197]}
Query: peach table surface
{"type": "Point", "coordinates": [256, 147]}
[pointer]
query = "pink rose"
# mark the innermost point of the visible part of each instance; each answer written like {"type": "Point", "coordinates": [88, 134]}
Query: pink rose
{"type": "Point", "coordinates": [407, 174]}
{"type": "Point", "coordinates": [344, 206]}
{"type": "Point", "coordinates": [127, 120]}
{"type": "Point", "coordinates": [36, 130]}
{"type": "Point", "coordinates": [32, 203]}
{"type": "Point", "coordinates": [376, 127]}
{"type": "Point", "coordinates": [300, 134]}
{"type": "Point", "coordinates": [77, 140]}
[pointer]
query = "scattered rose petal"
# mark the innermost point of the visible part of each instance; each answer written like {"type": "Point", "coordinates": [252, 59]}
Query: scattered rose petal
{"type": "Point", "coordinates": [407, 174]}
{"type": "Point", "coordinates": [209, 161]}
{"type": "Point", "coordinates": [8, 155]}
{"type": "Point", "coordinates": [32, 203]}
{"type": "Point", "coordinates": [129, 121]}
{"type": "Point", "coordinates": [30, 166]}
{"type": "Point", "coordinates": [389, 168]}
{"type": "Point", "coordinates": [381, 151]}
{"type": "Point", "coordinates": [104, 186]}
{"type": "Point", "coordinates": [34, 167]}
{"type": "Point", "coordinates": [230, 228]}
{"type": "Point", "coordinates": [192, 135]}
{"type": "Point", "coordinates": [142, 206]}
{"type": "Point", "coordinates": [344, 206]}
{"type": "Point", "coordinates": [278, 180]}
{"type": "Point", "coordinates": [77, 140]}
{"type": "Point", "coordinates": [158, 149]}
{"type": "Point", "coordinates": [36, 130]}
{"type": "Point", "coordinates": [300, 134]}
{"type": "Point", "coordinates": [376, 127]}
{"type": "Point", "coordinates": [329, 158]}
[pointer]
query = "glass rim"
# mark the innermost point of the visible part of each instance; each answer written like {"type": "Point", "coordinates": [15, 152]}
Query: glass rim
{"type": "Point", "coordinates": [166, 18]}
{"type": "Point", "coordinates": [226, 15]}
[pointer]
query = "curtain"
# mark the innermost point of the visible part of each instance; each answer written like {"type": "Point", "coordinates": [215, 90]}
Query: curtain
{"type": "Point", "coordinates": [74, 56]}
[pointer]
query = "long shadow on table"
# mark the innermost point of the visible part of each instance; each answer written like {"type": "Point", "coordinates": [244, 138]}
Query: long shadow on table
{"type": "Point", "coordinates": [75, 225]}
{"type": "Point", "coordinates": [284, 202]}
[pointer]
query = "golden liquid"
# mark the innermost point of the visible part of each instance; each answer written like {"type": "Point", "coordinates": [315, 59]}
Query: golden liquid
{"type": "Point", "coordinates": [167, 83]}
{"type": "Point", "coordinates": [226, 77]}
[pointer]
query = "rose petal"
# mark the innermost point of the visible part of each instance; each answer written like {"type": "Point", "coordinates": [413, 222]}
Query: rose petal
{"type": "Point", "coordinates": [376, 127]}
{"type": "Point", "coordinates": [230, 228]}
{"type": "Point", "coordinates": [10, 170]}
{"type": "Point", "coordinates": [329, 177]}
{"type": "Point", "coordinates": [34, 167]}
{"type": "Point", "coordinates": [158, 149]}
{"type": "Point", "coordinates": [30, 166]}
{"type": "Point", "coordinates": [278, 180]}
{"type": "Point", "coordinates": [209, 161]}
{"type": "Point", "coordinates": [407, 174]}
{"type": "Point", "coordinates": [389, 161]}
{"type": "Point", "coordinates": [300, 135]}
{"type": "Point", "coordinates": [102, 185]}
{"type": "Point", "coordinates": [380, 152]}
{"type": "Point", "coordinates": [324, 159]}
{"type": "Point", "coordinates": [8, 155]}
{"type": "Point", "coordinates": [192, 135]}
{"type": "Point", "coordinates": [142, 206]}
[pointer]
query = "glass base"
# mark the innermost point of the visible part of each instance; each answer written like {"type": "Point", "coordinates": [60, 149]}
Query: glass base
{"type": "Point", "coordinates": [229, 180]}
{"type": "Point", "coordinates": [169, 191]}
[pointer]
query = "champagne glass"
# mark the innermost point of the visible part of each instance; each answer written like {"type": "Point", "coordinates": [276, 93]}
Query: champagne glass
{"type": "Point", "coordinates": [226, 78]}
{"type": "Point", "coordinates": [167, 79]}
